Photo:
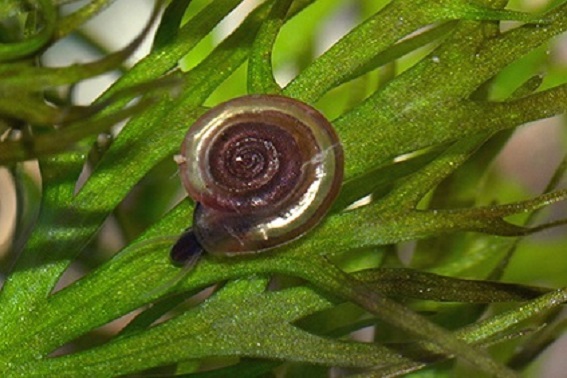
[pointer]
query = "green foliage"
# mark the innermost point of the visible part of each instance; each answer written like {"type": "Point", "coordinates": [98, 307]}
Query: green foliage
{"type": "Point", "coordinates": [420, 115]}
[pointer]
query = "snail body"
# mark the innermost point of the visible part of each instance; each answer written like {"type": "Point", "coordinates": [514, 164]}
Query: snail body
{"type": "Point", "coordinates": [263, 170]}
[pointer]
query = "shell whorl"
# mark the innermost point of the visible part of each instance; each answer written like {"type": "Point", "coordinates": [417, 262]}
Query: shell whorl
{"type": "Point", "coordinates": [263, 169]}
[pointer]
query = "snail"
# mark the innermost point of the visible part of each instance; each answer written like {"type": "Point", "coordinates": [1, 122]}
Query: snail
{"type": "Point", "coordinates": [262, 169]}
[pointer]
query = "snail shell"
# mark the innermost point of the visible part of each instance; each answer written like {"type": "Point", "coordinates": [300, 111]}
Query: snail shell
{"type": "Point", "coordinates": [263, 170]}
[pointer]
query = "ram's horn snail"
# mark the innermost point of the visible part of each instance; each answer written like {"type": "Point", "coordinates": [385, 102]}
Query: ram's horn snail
{"type": "Point", "coordinates": [263, 170]}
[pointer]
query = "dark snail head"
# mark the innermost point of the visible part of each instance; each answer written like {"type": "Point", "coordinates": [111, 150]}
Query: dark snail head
{"type": "Point", "coordinates": [263, 171]}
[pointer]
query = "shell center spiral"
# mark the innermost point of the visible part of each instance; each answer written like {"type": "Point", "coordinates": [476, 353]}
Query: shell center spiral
{"type": "Point", "coordinates": [255, 163]}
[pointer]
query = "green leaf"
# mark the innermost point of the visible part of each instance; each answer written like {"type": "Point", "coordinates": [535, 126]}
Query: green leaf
{"type": "Point", "coordinates": [71, 22]}
{"type": "Point", "coordinates": [260, 76]}
{"type": "Point", "coordinates": [170, 22]}
{"type": "Point", "coordinates": [415, 284]}
{"type": "Point", "coordinates": [424, 95]}
{"type": "Point", "coordinates": [45, 16]}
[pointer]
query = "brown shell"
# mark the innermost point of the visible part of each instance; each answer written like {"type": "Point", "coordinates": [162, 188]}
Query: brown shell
{"type": "Point", "coordinates": [264, 170]}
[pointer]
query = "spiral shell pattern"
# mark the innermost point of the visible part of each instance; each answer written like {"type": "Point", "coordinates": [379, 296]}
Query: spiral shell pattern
{"type": "Point", "coordinates": [263, 169]}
